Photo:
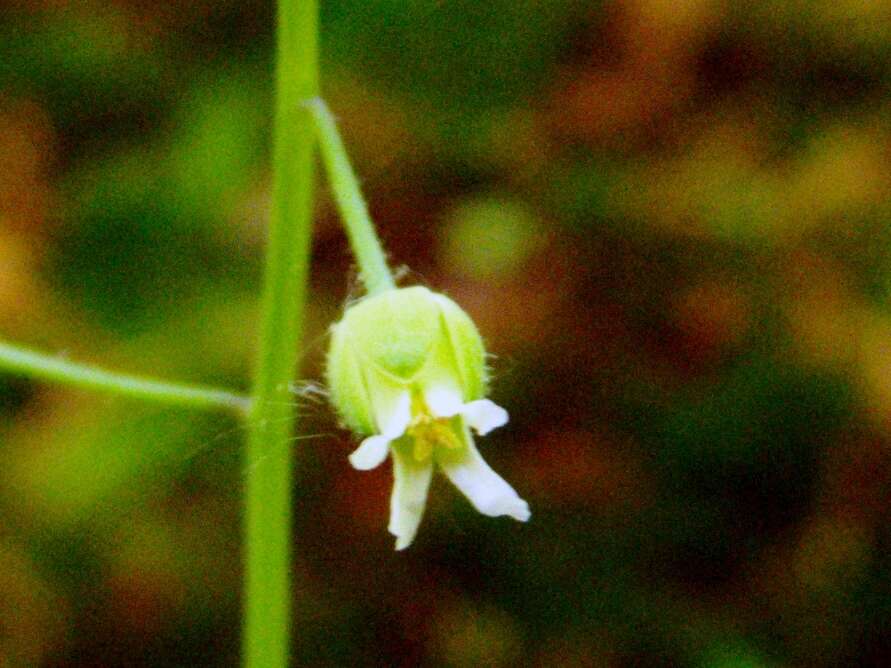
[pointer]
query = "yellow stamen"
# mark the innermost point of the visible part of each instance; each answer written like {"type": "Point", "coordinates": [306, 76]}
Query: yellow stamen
{"type": "Point", "coordinates": [428, 432]}
{"type": "Point", "coordinates": [422, 450]}
{"type": "Point", "coordinates": [447, 436]}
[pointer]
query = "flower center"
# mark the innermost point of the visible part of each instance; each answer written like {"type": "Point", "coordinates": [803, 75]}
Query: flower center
{"type": "Point", "coordinates": [427, 432]}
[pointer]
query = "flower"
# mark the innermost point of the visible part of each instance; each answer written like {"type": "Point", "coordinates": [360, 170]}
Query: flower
{"type": "Point", "coordinates": [407, 369]}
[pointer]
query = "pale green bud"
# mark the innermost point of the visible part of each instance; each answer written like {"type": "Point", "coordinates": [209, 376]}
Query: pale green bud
{"type": "Point", "coordinates": [406, 339]}
{"type": "Point", "coordinates": [408, 368]}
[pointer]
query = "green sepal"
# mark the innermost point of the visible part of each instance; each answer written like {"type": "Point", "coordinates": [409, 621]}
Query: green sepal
{"type": "Point", "coordinates": [467, 348]}
{"type": "Point", "coordinates": [346, 383]}
{"type": "Point", "coordinates": [401, 340]}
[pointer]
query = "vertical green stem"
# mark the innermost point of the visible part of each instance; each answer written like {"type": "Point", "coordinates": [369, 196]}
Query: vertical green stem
{"type": "Point", "coordinates": [268, 456]}
{"type": "Point", "coordinates": [360, 230]}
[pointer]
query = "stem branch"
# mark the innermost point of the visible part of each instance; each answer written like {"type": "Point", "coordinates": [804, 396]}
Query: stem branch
{"type": "Point", "coordinates": [360, 230]}
{"type": "Point", "coordinates": [27, 362]}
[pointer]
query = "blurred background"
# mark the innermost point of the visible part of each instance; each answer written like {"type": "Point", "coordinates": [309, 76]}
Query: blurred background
{"type": "Point", "coordinates": [671, 221]}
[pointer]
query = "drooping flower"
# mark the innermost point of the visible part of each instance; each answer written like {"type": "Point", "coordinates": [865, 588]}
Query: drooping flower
{"type": "Point", "coordinates": [406, 369]}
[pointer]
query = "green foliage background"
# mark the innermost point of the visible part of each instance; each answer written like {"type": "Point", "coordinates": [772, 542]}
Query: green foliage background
{"type": "Point", "coordinates": [671, 221]}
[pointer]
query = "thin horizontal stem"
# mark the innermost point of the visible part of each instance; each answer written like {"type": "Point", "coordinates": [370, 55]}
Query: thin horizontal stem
{"type": "Point", "coordinates": [360, 230]}
{"type": "Point", "coordinates": [26, 362]}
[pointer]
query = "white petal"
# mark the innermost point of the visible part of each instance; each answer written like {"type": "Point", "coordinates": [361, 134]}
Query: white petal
{"type": "Point", "coordinates": [487, 491]}
{"type": "Point", "coordinates": [370, 453]}
{"type": "Point", "coordinates": [484, 416]}
{"type": "Point", "coordinates": [443, 401]}
{"type": "Point", "coordinates": [410, 485]}
{"type": "Point", "coordinates": [395, 424]}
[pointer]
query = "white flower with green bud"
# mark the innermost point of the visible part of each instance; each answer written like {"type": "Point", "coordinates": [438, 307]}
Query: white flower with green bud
{"type": "Point", "coordinates": [407, 370]}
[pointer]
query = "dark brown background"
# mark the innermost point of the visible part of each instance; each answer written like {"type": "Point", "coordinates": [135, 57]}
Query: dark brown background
{"type": "Point", "coordinates": [670, 220]}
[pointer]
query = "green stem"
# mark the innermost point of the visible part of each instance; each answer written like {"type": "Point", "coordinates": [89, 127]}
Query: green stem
{"type": "Point", "coordinates": [268, 485]}
{"type": "Point", "coordinates": [26, 362]}
{"type": "Point", "coordinates": [360, 230]}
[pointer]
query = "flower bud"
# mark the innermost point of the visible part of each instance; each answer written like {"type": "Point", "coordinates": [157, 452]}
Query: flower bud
{"type": "Point", "coordinates": [407, 368]}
